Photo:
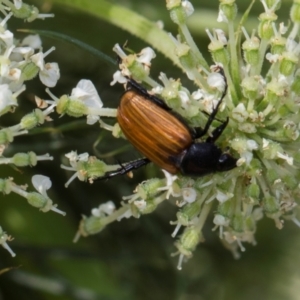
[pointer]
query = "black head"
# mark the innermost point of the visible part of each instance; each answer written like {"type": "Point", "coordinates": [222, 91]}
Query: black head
{"type": "Point", "coordinates": [226, 162]}
{"type": "Point", "coordinates": [204, 158]}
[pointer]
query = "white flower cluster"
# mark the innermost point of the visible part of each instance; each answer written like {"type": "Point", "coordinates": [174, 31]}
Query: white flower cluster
{"type": "Point", "coordinates": [21, 61]}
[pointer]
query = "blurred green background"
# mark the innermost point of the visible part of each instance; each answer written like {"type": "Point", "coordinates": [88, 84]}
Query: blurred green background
{"type": "Point", "coordinates": [130, 259]}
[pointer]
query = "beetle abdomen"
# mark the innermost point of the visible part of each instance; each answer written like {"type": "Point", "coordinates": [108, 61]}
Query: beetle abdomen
{"type": "Point", "coordinates": [152, 130]}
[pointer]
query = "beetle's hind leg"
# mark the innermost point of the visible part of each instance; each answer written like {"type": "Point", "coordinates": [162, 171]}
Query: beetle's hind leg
{"type": "Point", "coordinates": [125, 168]}
{"type": "Point", "coordinates": [132, 84]}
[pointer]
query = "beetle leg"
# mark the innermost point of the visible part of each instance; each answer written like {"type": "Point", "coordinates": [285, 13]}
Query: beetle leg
{"type": "Point", "coordinates": [126, 168]}
{"type": "Point", "coordinates": [135, 85]}
{"type": "Point", "coordinates": [217, 132]}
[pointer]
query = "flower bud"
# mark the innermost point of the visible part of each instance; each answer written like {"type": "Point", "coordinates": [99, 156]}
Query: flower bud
{"type": "Point", "coordinates": [251, 50]}
{"type": "Point", "coordinates": [253, 191]}
{"type": "Point", "coordinates": [250, 88]}
{"type": "Point", "coordinates": [72, 107]}
{"type": "Point", "coordinates": [38, 200]}
{"type": "Point", "coordinates": [6, 136]}
{"type": "Point", "coordinates": [33, 119]}
{"type": "Point", "coordinates": [187, 213]}
{"type": "Point", "coordinates": [188, 241]}
{"type": "Point", "coordinates": [288, 63]}
{"type": "Point", "coordinates": [265, 29]}
{"type": "Point", "coordinates": [237, 223]}
{"type": "Point", "coordinates": [148, 188]}
{"type": "Point", "coordinates": [90, 225]}
{"type": "Point", "coordinates": [229, 9]}
{"type": "Point", "coordinates": [5, 185]}
{"type": "Point", "coordinates": [295, 12]}
{"type": "Point", "coordinates": [29, 71]}
{"type": "Point", "coordinates": [24, 159]}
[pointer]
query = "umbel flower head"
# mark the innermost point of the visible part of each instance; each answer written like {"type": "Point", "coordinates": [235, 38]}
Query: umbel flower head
{"type": "Point", "coordinates": [262, 104]}
{"type": "Point", "coordinates": [22, 60]}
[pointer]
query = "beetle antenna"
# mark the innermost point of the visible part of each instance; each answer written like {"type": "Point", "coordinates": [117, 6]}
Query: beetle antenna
{"type": "Point", "coordinates": [212, 116]}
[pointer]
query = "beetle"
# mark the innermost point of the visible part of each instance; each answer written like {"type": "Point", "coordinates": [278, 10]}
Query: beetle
{"type": "Point", "coordinates": [165, 138]}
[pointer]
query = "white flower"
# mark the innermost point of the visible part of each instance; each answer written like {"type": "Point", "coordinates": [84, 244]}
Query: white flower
{"type": "Point", "coordinates": [145, 56]}
{"type": "Point", "coordinates": [216, 80]}
{"type": "Point", "coordinates": [20, 53]}
{"type": "Point", "coordinates": [104, 209]}
{"type": "Point", "coordinates": [170, 184]}
{"type": "Point", "coordinates": [118, 77]}
{"type": "Point", "coordinates": [6, 97]}
{"type": "Point", "coordinates": [272, 58]}
{"type": "Point", "coordinates": [74, 157]}
{"type": "Point", "coordinates": [189, 195]}
{"type": "Point", "coordinates": [222, 17]}
{"type": "Point", "coordinates": [184, 97]}
{"type": "Point", "coordinates": [32, 41]}
{"type": "Point", "coordinates": [140, 204]}
{"type": "Point", "coordinates": [86, 92]}
{"type": "Point", "coordinates": [18, 4]}
{"type": "Point", "coordinates": [221, 36]}
{"type": "Point", "coordinates": [7, 37]}
{"type": "Point", "coordinates": [188, 7]}
{"type": "Point", "coordinates": [240, 113]}
{"type": "Point", "coordinates": [41, 183]}
{"type": "Point", "coordinates": [222, 197]}
{"type": "Point", "coordinates": [49, 74]}
{"type": "Point", "coordinates": [288, 159]}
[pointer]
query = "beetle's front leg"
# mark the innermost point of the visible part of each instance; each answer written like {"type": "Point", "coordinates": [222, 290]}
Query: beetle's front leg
{"type": "Point", "coordinates": [126, 168]}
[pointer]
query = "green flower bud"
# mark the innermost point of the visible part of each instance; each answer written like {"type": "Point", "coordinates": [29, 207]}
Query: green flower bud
{"type": "Point", "coordinates": [290, 130]}
{"type": "Point", "coordinates": [296, 83]}
{"type": "Point", "coordinates": [219, 52]}
{"type": "Point", "coordinates": [290, 181]}
{"type": "Point", "coordinates": [272, 175]}
{"type": "Point", "coordinates": [250, 224]}
{"type": "Point", "coordinates": [95, 168]}
{"type": "Point", "coordinates": [6, 136]}
{"type": "Point", "coordinates": [250, 87]}
{"type": "Point", "coordinates": [91, 225]}
{"type": "Point", "coordinates": [24, 159]}
{"type": "Point", "coordinates": [253, 191]}
{"type": "Point", "coordinates": [29, 71]}
{"type": "Point", "coordinates": [226, 209]}
{"type": "Point", "coordinates": [136, 69]}
{"type": "Point", "coordinates": [72, 107]}
{"type": "Point", "coordinates": [27, 12]}
{"type": "Point", "coordinates": [179, 11]}
{"type": "Point", "coordinates": [265, 29]}
{"type": "Point", "coordinates": [147, 206]}
{"type": "Point", "coordinates": [237, 223]}
{"type": "Point", "coordinates": [295, 11]}
{"type": "Point", "coordinates": [229, 9]}
{"type": "Point", "coordinates": [187, 213]}
{"type": "Point", "coordinates": [278, 44]}
{"type": "Point", "coordinates": [5, 186]}
{"type": "Point", "coordinates": [33, 119]}
{"type": "Point", "coordinates": [271, 205]}
{"type": "Point", "coordinates": [37, 200]}
{"type": "Point", "coordinates": [288, 63]}
{"type": "Point", "coordinates": [270, 149]}
{"type": "Point", "coordinates": [251, 50]}
{"type": "Point", "coordinates": [188, 241]}
{"type": "Point", "coordinates": [148, 188]}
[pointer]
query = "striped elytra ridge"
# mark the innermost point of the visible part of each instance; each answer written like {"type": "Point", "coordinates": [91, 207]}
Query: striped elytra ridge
{"type": "Point", "coordinates": [152, 130]}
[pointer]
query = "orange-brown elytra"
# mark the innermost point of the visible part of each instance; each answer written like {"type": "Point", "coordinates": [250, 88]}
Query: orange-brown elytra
{"type": "Point", "coordinates": [165, 138]}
